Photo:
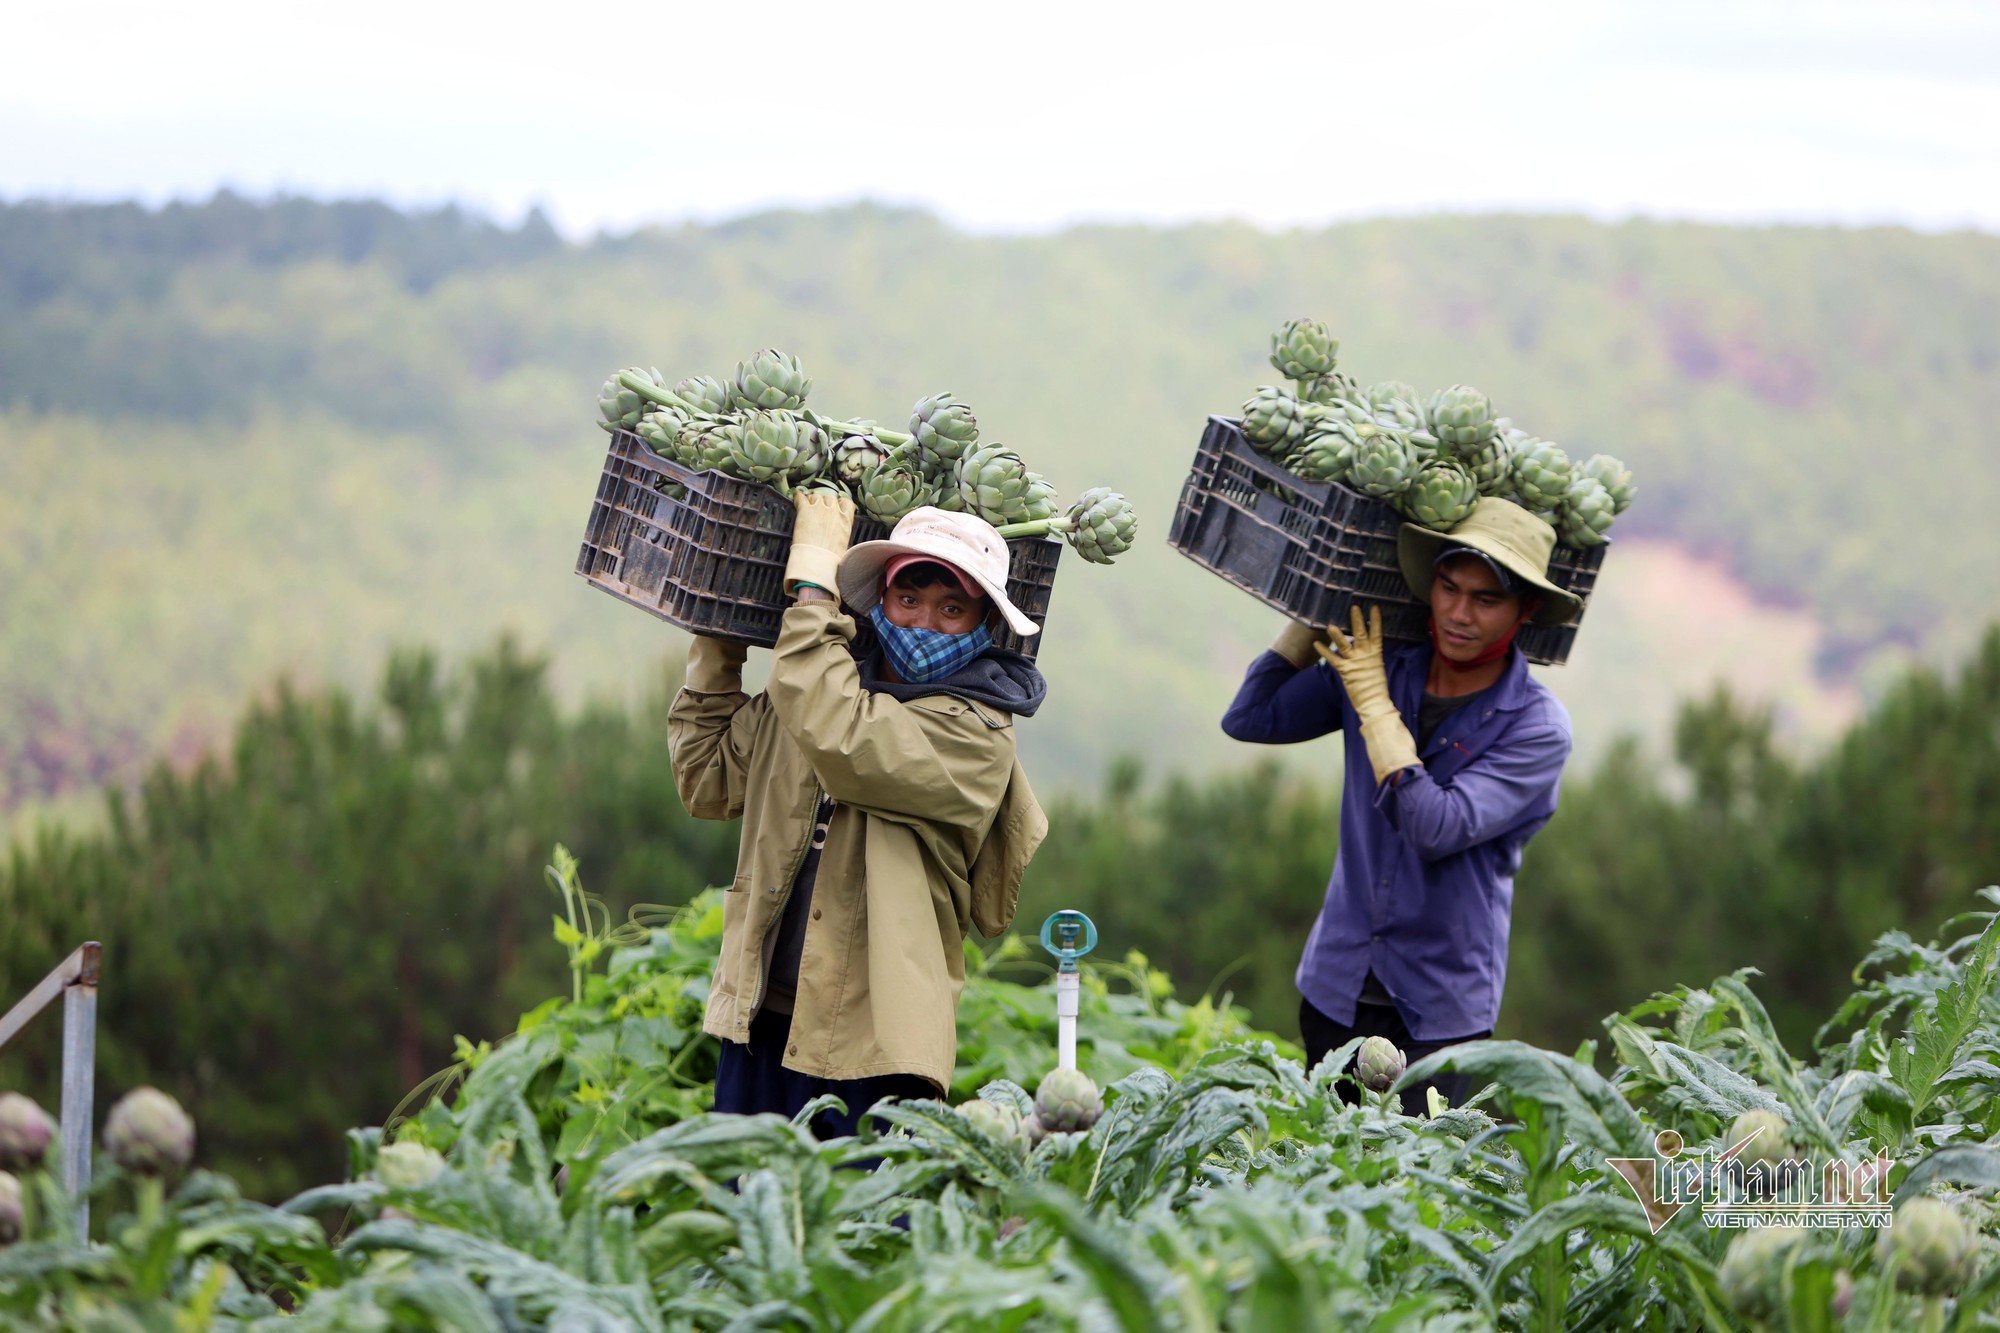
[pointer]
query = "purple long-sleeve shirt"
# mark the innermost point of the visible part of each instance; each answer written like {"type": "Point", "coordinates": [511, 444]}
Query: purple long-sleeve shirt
{"type": "Point", "coordinates": [1423, 883]}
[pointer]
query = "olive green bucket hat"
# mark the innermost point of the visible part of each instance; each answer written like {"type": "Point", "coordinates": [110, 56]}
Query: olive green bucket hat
{"type": "Point", "coordinates": [1503, 532]}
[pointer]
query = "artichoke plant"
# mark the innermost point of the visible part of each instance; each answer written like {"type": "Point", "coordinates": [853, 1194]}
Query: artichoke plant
{"type": "Point", "coordinates": [1442, 495]}
{"type": "Point", "coordinates": [11, 1216]}
{"type": "Point", "coordinates": [708, 445]}
{"type": "Point", "coordinates": [1462, 419]}
{"type": "Point", "coordinates": [703, 393]}
{"type": "Point", "coordinates": [148, 1133]}
{"type": "Point", "coordinates": [1038, 503]}
{"type": "Point", "coordinates": [408, 1166]}
{"type": "Point", "coordinates": [661, 428]}
{"type": "Point", "coordinates": [992, 481]}
{"type": "Point", "coordinates": [25, 1133]}
{"type": "Point", "coordinates": [943, 429]}
{"type": "Point", "coordinates": [1067, 1101]}
{"type": "Point", "coordinates": [1493, 467]}
{"type": "Point", "coordinates": [1378, 1064]}
{"type": "Point", "coordinates": [622, 405]}
{"type": "Point", "coordinates": [1002, 1124]}
{"type": "Point", "coordinates": [1585, 513]}
{"type": "Point", "coordinates": [1100, 526]}
{"type": "Point", "coordinates": [892, 488]}
{"type": "Point", "coordinates": [1931, 1247]}
{"type": "Point", "coordinates": [1752, 1274]}
{"type": "Point", "coordinates": [854, 456]}
{"type": "Point", "coordinates": [777, 448]}
{"type": "Point", "coordinates": [1541, 475]}
{"type": "Point", "coordinates": [1329, 389]}
{"type": "Point", "coordinates": [770, 380]}
{"type": "Point", "coordinates": [1326, 453]}
{"type": "Point", "coordinates": [1616, 477]}
{"type": "Point", "coordinates": [1384, 465]}
{"type": "Point", "coordinates": [1304, 349]}
{"type": "Point", "coordinates": [1274, 420]}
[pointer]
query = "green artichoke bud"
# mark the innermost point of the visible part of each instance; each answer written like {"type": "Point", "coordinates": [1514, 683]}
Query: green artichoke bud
{"type": "Point", "coordinates": [1002, 1124]}
{"type": "Point", "coordinates": [1541, 475]}
{"type": "Point", "coordinates": [1067, 1101]}
{"type": "Point", "coordinates": [1461, 417]}
{"type": "Point", "coordinates": [770, 380]}
{"type": "Point", "coordinates": [1405, 414]}
{"type": "Point", "coordinates": [704, 393]}
{"type": "Point", "coordinates": [622, 407]}
{"type": "Point", "coordinates": [1616, 477]}
{"type": "Point", "coordinates": [943, 429]}
{"type": "Point", "coordinates": [1036, 1131]}
{"type": "Point", "coordinates": [854, 455]}
{"type": "Point", "coordinates": [661, 428]}
{"type": "Point", "coordinates": [1930, 1247]}
{"type": "Point", "coordinates": [1101, 525]}
{"type": "Point", "coordinates": [1040, 501]}
{"type": "Point", "coordinates": [1384, 391]}
{"type": "Point", "coordinates": [1442, 495]}
{"type": "Point", "coordinates": [1304, 349]}
{"type": "Point", "coordinates": [1384, 465]}
{"type": "Point", "coordinates": [408, 1166]}
{"type": "Point", "coordinates": [991, 481]}
{"type": "Point", "coordinates": [1329, 389]}
{"type": "Point", "coordinates": [1766, 1131]}
{"type": "Point", "coordinates": [1752, 1275]}
{"type": "Point", "coordinates": [11, 1217]}
{"type": "Point", "coordinates": [708, 445]}
{"type": "Point", "coordinates": [1586, 512]}
{"type": "Point", "coordinates": [1378, 1064]}
{"type": "Point", "coordinates": [1326, 453]}
{"type": "Point", "coordinates": [1274, 420]}
{"type": "Point", "coordinates": [892, 488]}
{"type": "Point", "coordinates": [1493, 467]}
{"type": "Point", "coordinates": [25, 1133]}
{"type": "Point", "coordinates": [779, 449]}
{"type": "Point", "coordinates": [148, 1133]}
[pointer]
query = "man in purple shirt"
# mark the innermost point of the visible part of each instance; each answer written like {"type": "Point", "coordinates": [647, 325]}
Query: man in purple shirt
{"type": "Point", "coordinates": [1460, 756]}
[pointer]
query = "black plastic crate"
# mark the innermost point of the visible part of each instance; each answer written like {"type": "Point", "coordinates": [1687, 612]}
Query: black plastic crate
{"type": "Point", "coordinates": [707, 552]}
{"type": "Point", "coordinates": [1312, 549]}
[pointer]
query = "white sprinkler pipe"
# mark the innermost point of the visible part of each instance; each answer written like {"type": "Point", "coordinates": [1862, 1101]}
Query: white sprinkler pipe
{"type": "Point", "coordinates": [1068, 935]}
{"type": "Point", "coordinates": [1068, 991]}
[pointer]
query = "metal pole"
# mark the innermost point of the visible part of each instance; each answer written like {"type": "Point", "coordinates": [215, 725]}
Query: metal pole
{"type": "Point", "coordinates": [79, 1079]}
{"type": "Point", "coordinates": [1068, 992]}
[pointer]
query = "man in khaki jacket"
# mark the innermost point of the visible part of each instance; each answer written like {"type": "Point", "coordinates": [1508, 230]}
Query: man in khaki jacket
{"type": "Point", "coordinates": [884, 812]}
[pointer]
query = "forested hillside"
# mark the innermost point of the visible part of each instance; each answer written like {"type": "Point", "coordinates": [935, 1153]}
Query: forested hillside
{"type": "Point", "coordinates": [239, 439]}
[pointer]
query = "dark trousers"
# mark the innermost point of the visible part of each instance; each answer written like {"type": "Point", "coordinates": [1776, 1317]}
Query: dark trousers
{"type": "Point", "coordinates": [1321, 1034]}
{"type": "Point", "coordinates": [752, 1078]}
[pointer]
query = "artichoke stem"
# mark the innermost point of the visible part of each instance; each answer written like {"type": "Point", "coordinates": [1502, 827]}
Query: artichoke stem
{"type": "Point", "coordinates": [892, 438]}
{"type": "Point", "coordinates": [1034, 527]}
{"type": "Point", "coordinates": [1933, 1320]}
{"type": "Point", "coordinates": [652, 392]}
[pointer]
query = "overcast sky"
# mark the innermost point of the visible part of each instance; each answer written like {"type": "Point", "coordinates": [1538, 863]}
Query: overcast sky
{"type": "Point", "coordinates": [1024, 115]}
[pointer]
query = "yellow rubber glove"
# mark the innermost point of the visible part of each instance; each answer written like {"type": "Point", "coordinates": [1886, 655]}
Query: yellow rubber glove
{"type": "Point", "coordinates": [1295, 643]}
{"type": "Point", "coordinates": [1358, 659]}
{"type": "Point", "coordinates": [824, 521]}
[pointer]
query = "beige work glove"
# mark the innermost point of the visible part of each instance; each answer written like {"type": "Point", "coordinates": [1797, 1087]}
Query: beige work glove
{"type": "Point", "coordinates": [1391, 748]}
{"type": "Point", "coordinates": [825, 520]}
{"type": "Point", "coordinates": [1295, 643]}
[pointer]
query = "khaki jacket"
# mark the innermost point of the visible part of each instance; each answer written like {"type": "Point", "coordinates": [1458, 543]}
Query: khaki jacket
{"type": "Point", "coordinates": [933, 827]}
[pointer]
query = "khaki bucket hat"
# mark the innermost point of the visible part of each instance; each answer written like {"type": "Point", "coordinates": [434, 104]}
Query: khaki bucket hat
{"type": "Point", "coordinates": [1504, 532]}
{"type": "Point", "coordinates": [966, 542]}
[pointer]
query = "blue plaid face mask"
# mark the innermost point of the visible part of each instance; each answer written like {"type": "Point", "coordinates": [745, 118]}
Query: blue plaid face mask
{"type": "Point", "coordinates": [921, 656]}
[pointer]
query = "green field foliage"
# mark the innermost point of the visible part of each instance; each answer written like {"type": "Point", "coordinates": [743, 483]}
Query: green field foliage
{"type": "Point", "coordinates": [298, 927]}
{"type": "Point", "coordinates": [571, 1181]}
